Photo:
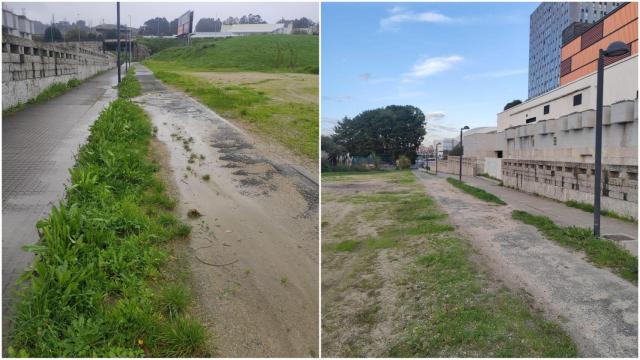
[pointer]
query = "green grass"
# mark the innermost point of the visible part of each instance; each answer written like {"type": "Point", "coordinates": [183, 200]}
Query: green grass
{"type": "Point", "coordinates": [600, 252]}
{"type": "Point", "coordinates": [129, 86]}
{"type": "Point", "coordinates": [449, 307]}
{"type": "Point", "coordinates": [265, 53]}
{"type": "Point", "coordinates": [485, 175]}
{"type": "Point", "coordinates": [52, 91]}
{"type": "Point", "coordinates": [589, 208]}
{"type": "Point", "coordinates": [479, 193]}
{"type": "Point", "coordinates": [254, 108]}
{"type": "Point", "coordinates": [156, 45]}
{"type": "Point", "coordinates": [96, 288]}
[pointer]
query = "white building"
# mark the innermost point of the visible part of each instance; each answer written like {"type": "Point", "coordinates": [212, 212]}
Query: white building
{"type": "Point", "coordinates": [621, 83]}
{"type": "Point", "coordinates": [17, 25]}
{"type": "Point", "coordinates": [251, 29]}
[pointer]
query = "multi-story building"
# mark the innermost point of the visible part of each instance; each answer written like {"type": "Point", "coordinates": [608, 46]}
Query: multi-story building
{"type": "Point", "coordinates": [16, 25]}
{"type": "Point", "coordinates": [548, 142]}
{"type": "Point", "coordinates": [546, 25]}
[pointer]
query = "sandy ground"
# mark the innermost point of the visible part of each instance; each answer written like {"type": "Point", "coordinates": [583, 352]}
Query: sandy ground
{"type": "Point", "coordinates": [254, 250]}
{"type": "Point", "coordinates": [596, 307]}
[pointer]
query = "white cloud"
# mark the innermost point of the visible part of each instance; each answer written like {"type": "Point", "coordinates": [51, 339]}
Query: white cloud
{"type": "Point", "coordinates": [433, 65]}
{"type": "Point", "coordinates": [496, 74]}
{"type": "Point", "coordinates": [436, 115]}
{"type": "Point", "coordinates": [399, 15]}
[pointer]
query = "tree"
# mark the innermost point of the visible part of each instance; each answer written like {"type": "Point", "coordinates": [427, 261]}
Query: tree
{"type": "Point", "coordinates": [387, 132]}
{"type": "Point", "coordinates": [72, 35]}
{"type": "Point", "coordinates": [173, 27]}
{"type": "Point", "coordinates": [456, 151]}
{"type": "Point", "coordinates": [51, 34]}
{"type": "Point", "coordinates": [231, 21]}
{"type": "Point", "coordinates": [160, 27]}
{"type": "Point", "coordinates": [251, 19]}
{"type": "Point", "coordinates": [208, 25]}
{"type": "Point", "coordinates": [333, 150]}
{"type": "Point", "coordinates": [512, 104]}
{"type": "Point", "coordinates": [301, 23]}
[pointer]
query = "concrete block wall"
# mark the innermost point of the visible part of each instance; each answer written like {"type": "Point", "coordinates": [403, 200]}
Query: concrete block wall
{"type": "Point", "coordinates": [565, 181]}
{"type": "Point", "coordinates": [571, 138]}
{"type": "Point", "coordinates": [493, 167]}
{"type": "Point", "coordinates": [452, 165]}
{"type": "Point", "coordinates": [29, 67]}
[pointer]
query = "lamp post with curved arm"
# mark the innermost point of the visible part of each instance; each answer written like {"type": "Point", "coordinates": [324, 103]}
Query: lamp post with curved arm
{"type": "Point", "coordinates": [616, 48]}
{"type": "Point", "coordinates": [460, 173]}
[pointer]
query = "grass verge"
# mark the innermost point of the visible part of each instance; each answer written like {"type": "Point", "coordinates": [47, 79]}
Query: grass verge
{"type": "Point", "coordinates": [487, 176]}
{"type": "Point", "coordinates": [264, 53]}
{"type": "Point", "coordinates": [96, 288]}
{"type": "Point", "coordinates": [472, 190]}
{"type": "Point", "coordinates": [415, 280]}
{"type": "Point", "coordinates": [129, 86]}
{"type": "Point", "coordinates": [589, 208]}
{"type": "Point", "coordinates": [600, 252]}
{"type": "Point", "coordinates": [256, 109]}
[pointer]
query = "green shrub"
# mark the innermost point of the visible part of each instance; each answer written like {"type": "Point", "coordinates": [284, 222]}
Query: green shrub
{"type": "Point", "coordinates": [129, 86]}
{"type": "Point", "coordinates": [404, 162]}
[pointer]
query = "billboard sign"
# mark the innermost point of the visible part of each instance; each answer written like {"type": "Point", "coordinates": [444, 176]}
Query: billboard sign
{"type": "Point", "coordinates": [185, 23]}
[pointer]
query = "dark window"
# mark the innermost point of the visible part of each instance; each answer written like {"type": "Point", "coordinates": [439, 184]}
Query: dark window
{"type": "Point", "coordinates": [555, 141]}
{"type": "Point", "coordinates": [530, 120]}
{"type": "Point", "coordinates": [546, 109]}
{"type": "Point", "coordinates": [499, 154]}
{"type": "Point", "coordinates": [577, 100]}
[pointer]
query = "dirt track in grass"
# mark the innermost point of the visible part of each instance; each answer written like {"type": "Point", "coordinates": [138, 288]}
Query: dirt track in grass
{"type": "Point", "coordinates": [597, 308]}
{"type": "Point", "coordinates": [253, 251]}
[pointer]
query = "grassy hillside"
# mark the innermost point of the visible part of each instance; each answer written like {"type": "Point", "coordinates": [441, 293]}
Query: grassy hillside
{"type": "Point", "coordinates": [267, 53]}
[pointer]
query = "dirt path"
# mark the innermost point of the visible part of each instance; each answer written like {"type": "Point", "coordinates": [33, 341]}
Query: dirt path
{"type": "Point", "coordinates": [254, 249]}
{"type": "Point", "coordinates": [596, 307]}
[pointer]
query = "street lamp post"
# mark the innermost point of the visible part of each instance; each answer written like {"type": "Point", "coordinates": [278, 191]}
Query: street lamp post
{"type": "Point", "coordinates": [616, 48]}
{"type": "Point", "coordinates": [437, 158]}
{"type": "Point", "coordinates": [130, 38]}
{"type": "Point", "coordinates": [460, 173]}
{"type": "Point", "coordinates": [118, 39]}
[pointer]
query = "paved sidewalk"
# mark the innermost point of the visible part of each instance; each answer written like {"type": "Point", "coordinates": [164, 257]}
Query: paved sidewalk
{"type": "Point", "coordinates": [556, 211]}
{"type": "Point", "coordinates": [38, 147]}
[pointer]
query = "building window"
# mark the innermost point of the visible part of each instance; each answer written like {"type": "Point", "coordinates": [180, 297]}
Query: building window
{"type": "Point", "coordinates": [577, 100]}
{"type": "Point", "coordinates": [530, 120]}
{"type": "Point", "coordinates": [555, 141]}
{"type": "Point", "coordinates": [546, 109]}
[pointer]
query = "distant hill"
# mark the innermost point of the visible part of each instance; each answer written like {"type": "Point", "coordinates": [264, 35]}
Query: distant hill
{"type": "Point", "coordinates": [267, 53]}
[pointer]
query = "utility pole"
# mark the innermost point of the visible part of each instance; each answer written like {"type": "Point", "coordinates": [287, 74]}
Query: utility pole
{"type": "Point", "coordinates": [130, 38]}
{"type": "Point", "coordinates": [118, 39]}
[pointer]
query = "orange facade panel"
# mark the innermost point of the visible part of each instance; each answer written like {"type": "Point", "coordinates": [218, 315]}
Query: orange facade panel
{"type": "Point", "coordinates": [575, 75]}
{"type": "Point", "coordinates": [621, 17]}
{"type": "Point", "coordinates": [627, 34]}
{"type": "Point", "coordinates": [572, 48]}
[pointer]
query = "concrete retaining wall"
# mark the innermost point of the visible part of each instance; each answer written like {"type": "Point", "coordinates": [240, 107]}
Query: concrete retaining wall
{"type": "Point", "coordinates": [493, 167]}
{"type": "Point", "coordinates": [574, 181]}
{"type": "Point", "coordinates": [29, 67]}
{"type": "Point", "coordinates": [452, 165]}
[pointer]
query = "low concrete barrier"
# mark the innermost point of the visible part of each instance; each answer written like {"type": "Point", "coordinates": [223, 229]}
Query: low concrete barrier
{"type": "Point", "coordinates": [29, 67]}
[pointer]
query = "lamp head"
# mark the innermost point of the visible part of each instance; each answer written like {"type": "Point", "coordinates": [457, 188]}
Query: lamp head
{"type": "Point", "coordinates": [616, 48]}
{"type": "Point", "coordinates": [465, 128]}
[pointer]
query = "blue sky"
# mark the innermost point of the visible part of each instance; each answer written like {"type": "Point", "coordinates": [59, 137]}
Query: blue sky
{"type": "Point", "coordinates": [460, 63]}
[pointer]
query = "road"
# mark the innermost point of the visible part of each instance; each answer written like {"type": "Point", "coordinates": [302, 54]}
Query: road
{"type": "Point", "coordinates": [38, 147]}
{"type": "Point", "coordinates": [557, 211]}
{"type": "Point", "coordinates": [596, 307]}
{"type": "Point", "coordinates": [254, 251]}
